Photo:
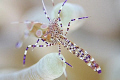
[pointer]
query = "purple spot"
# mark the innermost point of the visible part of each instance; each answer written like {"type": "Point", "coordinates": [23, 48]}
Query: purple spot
{"type": "Point", "coordinates": [80, 50]}
{"type": "Point", "coordinates": [27, 48]}
{"type": "Point", "coordinates": [61, 58]}
{"type": "Point", "coordinates": [33, 46]}
{"type": "Point", "coordinates": [59, 19]}
{"type": "Point", "coordinates": [24, 62]}
{"type": "Point", "coordinates": [64, 2]}
{"type": "Point", "coordinates": [85, 17]}
{"type": "Point", "coordinates": [69, 24]}
{"type": "Point", "coordinates": [24, 57]}
{"type": "Point", "coordinates": [59, 50]}
{"type": "Point", "coordinates": [79, 18]}
{"type": "Point", "coordinates": [72, 19]}
{"type": "Point", "coordinates": [68, 64]}
{"type": "Point", "coordinates": [99, 71]}
{"type": "Point", "coordinates": [40, 45]}
{"type": "Point", "coordinates": [86, 57]}
{"type": "Point", "coordinates": [67, 29]}
{"type": "Point", "coordinates": [96, 65]}
{"type": "Point", "coordinates": [82, 53]}
{"type": "Point", "coordinates": [42, 40]}
{"type": "Point", "coordinates": [37, 40]}
{"type": "Point", "coordinates": [46, 42]}
{"type": "Point", "coordinates": [61, 25]}
{"type": "Point", "coordinates": [48, 18]}
{"type": "Point", "coordinates": [45, 12]}
{"type": "Point", "coordinates": [59, 54]}
{"type": "Point", "coordinates": [85, 61]}
{"type": "Point", "coordinates": [59, 11]}
{"type": "Point", "coordinates": [18, 44]}
{"type": "Point", "coordinates": [43, 8]}
{"type": "Point", "coordinates": [89, 56]}
{"type": "Point", "coordinates": [68, 42]}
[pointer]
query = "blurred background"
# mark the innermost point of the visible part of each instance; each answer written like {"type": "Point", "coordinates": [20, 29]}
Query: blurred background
{"type": "Point", "coordinates": [99, 36]}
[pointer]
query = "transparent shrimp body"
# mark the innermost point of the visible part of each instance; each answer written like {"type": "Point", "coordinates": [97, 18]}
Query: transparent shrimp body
{"type": "Point", "coordinates": [52, 34]}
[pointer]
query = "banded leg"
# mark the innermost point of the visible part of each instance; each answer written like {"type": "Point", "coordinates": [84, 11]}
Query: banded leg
{"type": "Point", "coordinates": [25, 53]}
{"type": "Point", "coordinates": [39, 40]}
{"type": "Point", "coordinates": [53, 42]}
{"type": "Point", "coordinates": [59, 14]}
{"type": "Point", "coordinates": [64, 71]}
{"type": "Point", "coordinates": [71, 21]}
{"type": "Point", "coordinates": [59, 49]}
{"type": "Point", "coordinates": [61, 57]}
{"type": "Point", "coordinates": [42, 40]}
{"type": "Point", "coordinates": [45, 11]}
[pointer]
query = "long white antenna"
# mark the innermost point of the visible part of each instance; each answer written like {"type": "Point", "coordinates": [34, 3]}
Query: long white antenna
{"type": "Point", "coordinates": [45, 11]}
